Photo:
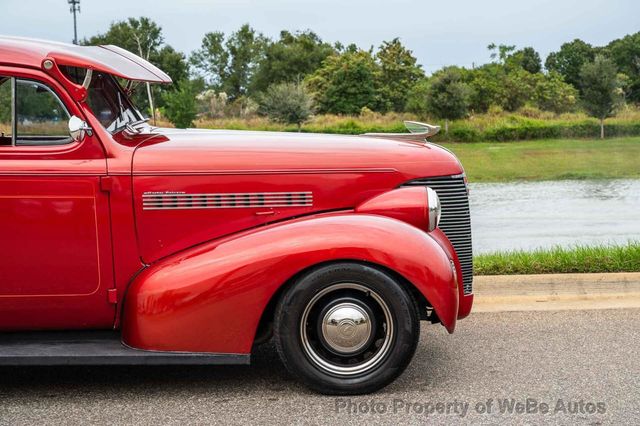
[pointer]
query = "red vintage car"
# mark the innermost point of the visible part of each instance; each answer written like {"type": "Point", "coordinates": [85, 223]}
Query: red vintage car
{"type": "Point", "coordinates": [124, 243]}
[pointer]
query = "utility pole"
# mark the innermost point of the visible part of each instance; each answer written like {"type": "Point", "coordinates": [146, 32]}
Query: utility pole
{"type": "Point", "coordinates": [74, 7]}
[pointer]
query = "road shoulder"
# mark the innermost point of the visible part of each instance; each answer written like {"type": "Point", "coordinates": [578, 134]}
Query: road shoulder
{"type": "Point", "coordinates": [503, 293]}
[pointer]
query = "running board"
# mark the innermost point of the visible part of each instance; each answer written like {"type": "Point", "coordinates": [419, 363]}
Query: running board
{"type": "Point", "coordinates": [95, 348]}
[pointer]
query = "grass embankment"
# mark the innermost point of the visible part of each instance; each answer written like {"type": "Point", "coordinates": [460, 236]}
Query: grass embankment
{"type": "Point", "coordinates": [566, 156]}
{"type": "Point", "coordinates": [530, 124]}
{"type": "Point", "coordinates": [527, 124]}
{"type": "Point", "coordinates": [550, 159]}
{"type": "Point", "coordinates": [558, 260]}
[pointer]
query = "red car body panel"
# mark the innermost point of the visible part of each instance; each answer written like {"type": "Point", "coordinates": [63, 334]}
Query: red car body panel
{"type": "Point", "coordinates": [333, 168]}
{"type": "Point", "coordinates": [407, 204]}
{"type": "Point", "coordinates": [223, 287]}
{"type": "Point", "coordinates": [109, 59]}
{"type": "Point", "coordinates": [41, 189]}
{"type": "Point", "coordinates": [89, 253]}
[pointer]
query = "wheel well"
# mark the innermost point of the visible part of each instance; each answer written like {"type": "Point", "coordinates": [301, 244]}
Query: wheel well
{"type": "Point", "coordinates": [264, 329]}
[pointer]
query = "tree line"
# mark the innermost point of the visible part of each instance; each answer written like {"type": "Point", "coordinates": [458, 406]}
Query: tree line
{"type": "Point", "coordinates": [297, 74]}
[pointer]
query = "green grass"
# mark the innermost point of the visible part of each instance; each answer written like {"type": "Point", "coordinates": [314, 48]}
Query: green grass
{"type": "Point", "coordinates": [578, 259]}
{"type": "Point", "coordinates": [550, 159]}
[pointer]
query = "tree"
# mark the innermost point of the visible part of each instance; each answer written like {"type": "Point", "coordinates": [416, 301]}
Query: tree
{"type": "Point", "coordinates": [600, 89]}
{"type": "Point", "coordinates": [527, 59]}
{"type": "Point", "coordinates": [569, 59]}
{"type": "Point", "coordinates": [246, 49]}
{"type": "Point", "coordinates": [287, 103]}
{"type": "Point", "coordinates": [175, 64]}
{"type": "Point", "coordinates": [345, 83]}
{"type": "Point", "coordinates": [144, 38]}
{"type": "Point", "coordinates": [291, 58]}
{"type": "Point", "coordinates": [141, 36]}
{"type": "Point", "coordinates": [212, 60]}
{"type": "Point", "coordinates": [448, 96]}
{"type": "Point", "coordinates": [417, 98]}
{"type": "Point", "coordinates": [553, 94]}
{"type": "Point", "coordinates": [229, 65]}
{"type": "Point", "coordinates": [399, 72]}
{"type": "Point", "coordinates": [172, 62]}
{"type": "Point", "coordinates": [625, 86]}
{"type": "Point", "coordinates": [625, 52]}
{"type": "Point", "coordinates": [487, 87]}
{"type": "Point", "coordinates": [500, 53]}
{"type": "Point", "coordinates": [180, 105]}
{"type": "Point", "coordinates": [517, 87]}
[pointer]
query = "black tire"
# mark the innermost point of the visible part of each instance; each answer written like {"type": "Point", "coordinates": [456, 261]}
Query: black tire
{"type": "Point", "coordinates": [393, 330]}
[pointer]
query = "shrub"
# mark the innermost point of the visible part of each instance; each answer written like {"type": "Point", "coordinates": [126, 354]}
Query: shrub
{"type": "Point", "coordinates": [448, 96]}
{"type": "Point", "coordinates": [287, 103]}
{"type": "Point", "coordinates": [180, 105]}
{"type": "Point", "coordinates": [479, 128]}
{"type": "Point", "coordinates": [212, 104]}
{"type": "Point", "coordinates": [553, 94]}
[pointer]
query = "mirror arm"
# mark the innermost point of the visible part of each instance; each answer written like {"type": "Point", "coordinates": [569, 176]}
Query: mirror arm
{"type": "Point", "coordinates": [87, 78]}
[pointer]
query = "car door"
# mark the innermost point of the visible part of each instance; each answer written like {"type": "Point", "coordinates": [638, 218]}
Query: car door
{"type": "Point", "coordinates": [56, 265]}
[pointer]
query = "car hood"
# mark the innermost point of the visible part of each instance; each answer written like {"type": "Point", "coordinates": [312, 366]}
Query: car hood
{"type": "Point", "coordinates": [192, 151]}
{"type": "Point", "coordinates": [236, 171]}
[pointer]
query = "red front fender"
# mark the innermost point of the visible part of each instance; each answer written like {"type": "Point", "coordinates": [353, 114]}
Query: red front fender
{"type": "Point", "coordinates": [210, 298]}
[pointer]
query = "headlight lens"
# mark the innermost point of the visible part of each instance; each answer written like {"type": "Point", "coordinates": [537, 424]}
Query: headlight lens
{"type": "Point", "coordinates": [435, 209]}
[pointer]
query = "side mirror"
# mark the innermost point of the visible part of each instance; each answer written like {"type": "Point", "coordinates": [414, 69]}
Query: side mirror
{"type": "Point", "coordinates": [78, 129]}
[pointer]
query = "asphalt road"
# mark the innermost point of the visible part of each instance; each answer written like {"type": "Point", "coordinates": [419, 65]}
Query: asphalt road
{"type": "Point", "coordinates": [587, 360]}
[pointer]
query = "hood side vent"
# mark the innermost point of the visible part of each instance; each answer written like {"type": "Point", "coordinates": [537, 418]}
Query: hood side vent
{"type": "Point", "coordinates": [174, 201]}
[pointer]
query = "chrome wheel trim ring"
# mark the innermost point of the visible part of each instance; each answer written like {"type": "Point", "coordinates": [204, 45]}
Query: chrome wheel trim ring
{"type": "Point", "coordinates": [356, 369]}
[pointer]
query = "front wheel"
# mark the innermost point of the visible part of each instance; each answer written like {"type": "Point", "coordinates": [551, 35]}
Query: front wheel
{"type": "Point", "coordinates": [346, 329]}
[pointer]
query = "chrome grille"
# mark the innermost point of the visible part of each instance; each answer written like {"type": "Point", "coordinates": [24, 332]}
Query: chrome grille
{"type": "Point", "coordinates": [455, 221]}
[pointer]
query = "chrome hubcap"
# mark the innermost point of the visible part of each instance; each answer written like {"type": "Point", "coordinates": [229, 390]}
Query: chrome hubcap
{"type": "Point", "coordinates": [346, 328]}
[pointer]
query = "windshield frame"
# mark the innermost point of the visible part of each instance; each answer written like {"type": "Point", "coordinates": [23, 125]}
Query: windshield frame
{"type": "Point", "coordinates": [113, 97]}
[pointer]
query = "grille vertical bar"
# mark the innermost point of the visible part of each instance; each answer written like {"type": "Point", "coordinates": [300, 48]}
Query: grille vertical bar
{"type": "Point", "coordinates": [455, 221]}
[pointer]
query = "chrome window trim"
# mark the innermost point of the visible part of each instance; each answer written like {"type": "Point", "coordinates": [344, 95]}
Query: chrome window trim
{"type": "Point", "coordinates": [14, 124]}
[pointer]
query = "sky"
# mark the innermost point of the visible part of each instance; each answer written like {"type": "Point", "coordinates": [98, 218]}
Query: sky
{"type": "Point", "coordinates": [448, 32]}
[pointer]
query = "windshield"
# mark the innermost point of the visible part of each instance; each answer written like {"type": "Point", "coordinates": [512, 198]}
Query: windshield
{"type": "Point", "coordinates": [107, 100]}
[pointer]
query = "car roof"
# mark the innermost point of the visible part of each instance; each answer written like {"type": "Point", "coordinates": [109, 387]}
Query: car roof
{"type": "Point", "coordinates": [109, 59]}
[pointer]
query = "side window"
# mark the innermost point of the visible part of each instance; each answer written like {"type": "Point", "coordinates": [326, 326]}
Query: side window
{"type": "Point", "coordinates": [6, 111]}
{"type": "Point", "coordinates": [31, 114]}
{"type": "Point", "coordinates": [41, 118]}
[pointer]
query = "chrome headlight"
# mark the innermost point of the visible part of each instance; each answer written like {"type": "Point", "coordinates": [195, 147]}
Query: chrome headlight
{"type": "Point", "coordinates": [435, 209]}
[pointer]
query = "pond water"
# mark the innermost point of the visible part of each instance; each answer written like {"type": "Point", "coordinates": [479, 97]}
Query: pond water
{"type": "Point", "coordinates": [528, 215]}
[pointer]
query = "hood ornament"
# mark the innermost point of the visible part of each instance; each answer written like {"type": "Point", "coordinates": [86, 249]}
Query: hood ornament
{"type": "Point", "coordinates": [418, 132]}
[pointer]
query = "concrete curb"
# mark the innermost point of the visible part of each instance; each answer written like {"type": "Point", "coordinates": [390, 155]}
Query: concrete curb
{"type": "Point", "coordinates": [500, 293]}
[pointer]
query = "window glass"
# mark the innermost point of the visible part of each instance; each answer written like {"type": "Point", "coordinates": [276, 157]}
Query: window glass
{"type": "Point", "coordinates": [41, 118]}
{"type": "Point", "coordinates": [6, 128]}
{"type": "Point", "coordinates": [109, 104]}
{"type": "Point", "coordinates": [107, 100]}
